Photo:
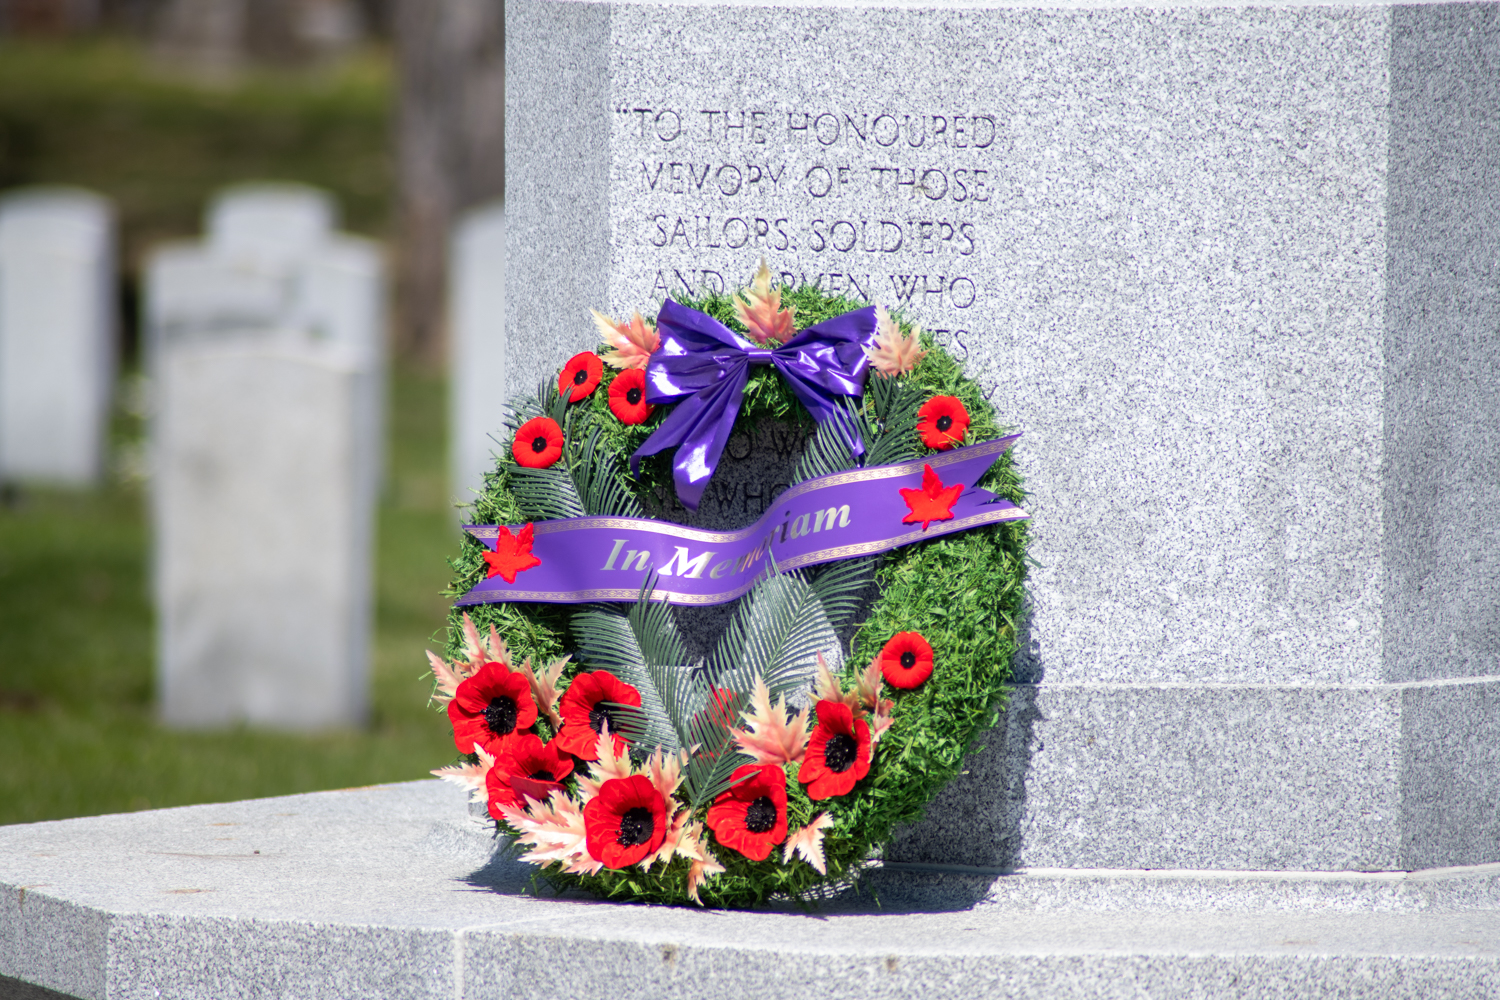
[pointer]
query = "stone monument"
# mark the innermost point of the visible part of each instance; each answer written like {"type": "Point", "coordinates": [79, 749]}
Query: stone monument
{"type": "Point", "coordinates": [57, 334]}
{"type": "Point", "coordinates": [1232, 271]}
{"type": "Point", "coordinates": [265, 347]}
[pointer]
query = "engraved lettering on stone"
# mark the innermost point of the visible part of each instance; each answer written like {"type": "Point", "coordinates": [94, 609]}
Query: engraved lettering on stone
{"type": "Point", "coordinates": [896, 201]}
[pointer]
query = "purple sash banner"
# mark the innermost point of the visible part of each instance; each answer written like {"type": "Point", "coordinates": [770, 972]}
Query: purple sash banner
{"type": "Point", "coordinates": [839, 516]}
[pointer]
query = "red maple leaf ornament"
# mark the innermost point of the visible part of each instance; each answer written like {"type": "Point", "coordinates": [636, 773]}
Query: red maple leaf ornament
{"type": "Point", "coordinates": [512, 554]}
{"type": "Point", "coordinates": [933, 502]}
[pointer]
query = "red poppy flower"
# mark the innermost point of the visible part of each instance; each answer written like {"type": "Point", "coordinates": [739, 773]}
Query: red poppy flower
{"type": "Point", "coordinates": [626, 821]}
{"type": "Point", "coordinates": [526, 767]}
{"type": "Point", "coordinates": [538, 443]}
{"type": "Point", "coordinates": [584, 713]}
{"type": "Point", "coordinates": [512, 554]}
{"type": "Point", "coordinates": [751, 816]}
{"type": "Point", "coordinates": [489, 707]}
{"type": "Point", "coordinates": [838, 752]}
{"type": "Point", "coordinates": [942, 422]}
{"type": "Point", "coordinates": [627, 397]}
{"type": "Point", "coordinates": [580, 376]}
{"type": "Point", "coordinates": [906, 661]}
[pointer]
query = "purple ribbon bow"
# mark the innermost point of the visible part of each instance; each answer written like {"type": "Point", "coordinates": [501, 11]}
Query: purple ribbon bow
{"type": "Point", "coordinates": [706, 365]}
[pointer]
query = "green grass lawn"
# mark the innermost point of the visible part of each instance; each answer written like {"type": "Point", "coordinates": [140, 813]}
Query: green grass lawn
{"type": "Point", "coordinates": [77, 729]}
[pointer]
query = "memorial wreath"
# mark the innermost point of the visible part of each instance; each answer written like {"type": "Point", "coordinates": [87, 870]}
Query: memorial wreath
{"type": "Point", "coordinates": [878, 600]}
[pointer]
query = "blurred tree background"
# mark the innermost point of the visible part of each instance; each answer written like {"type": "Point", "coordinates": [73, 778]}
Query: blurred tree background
{"type": "Point", "coordinates": [107, 115]}
{"type": "Point", "coordinates": [157, 104]}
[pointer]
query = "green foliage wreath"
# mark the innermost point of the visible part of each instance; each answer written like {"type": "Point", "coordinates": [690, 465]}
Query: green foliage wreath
{"type": "Point", "coordinates": [962, 592]}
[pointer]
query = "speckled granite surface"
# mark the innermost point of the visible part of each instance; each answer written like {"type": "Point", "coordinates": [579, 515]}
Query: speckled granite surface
{"type": "Point", "coordinates": [391, 892]}
{"type": "Point", "coordinates": [1332, 778]}
{"type": "Point", "coordinates": [1232, 269]}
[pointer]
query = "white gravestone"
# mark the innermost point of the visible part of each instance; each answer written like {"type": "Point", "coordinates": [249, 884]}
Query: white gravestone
{"type": "Point", "coordinates": [1231, 268]}
{"type": "Point", "coordinates": [264, 532]}
{"type": "Point", "coordinates": [271, 260]}
{"type": "Point", "coordinates": [271, 220]}
{"type": "Point", "coordinates": [476, 310]}
{"type": "Point", "coordinates": [265, 347]}
{"type": "Point", "coordinates": [57, 334]}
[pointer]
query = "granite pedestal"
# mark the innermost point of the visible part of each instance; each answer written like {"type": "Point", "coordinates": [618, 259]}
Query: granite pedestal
{"type": "Point", "coordinates": [389, 892]}
{"type": "Point", "coordinates": [1233, 270]}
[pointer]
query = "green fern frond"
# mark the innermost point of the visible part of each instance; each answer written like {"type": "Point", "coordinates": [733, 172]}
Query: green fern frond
{"type": "Point", "coordinates": [643, 729]}
{"type": "Point", "coordinates": [778, 628]}
{"type": "Point", "coordinates": [552, 402]}
{"type": "Point", "coordinates": [841, 587]}
{"type": "Point", "coordinates": [608, 641]}
{"type": "Point", "coordinates": [656, 629]}
{"type": "Point", "coordinates": [828, 451]}
{"type": "Point", "coordinates": [880, 392]}
{"type": "Point", "coordinates": [523, 408]}
{"type": "Point", "coordinates": [545, 494]}
{"type": "Point", "coordinates": [708, 775]}
{"type": "Point", "coordinates": [714, 758]}
{"type": "Point", "coordinates": [598, 483]}
{"type": "Point", "coordinates": [786, 636]}
{"type": "Point", "coordinates": [895, 403]}
{"type": "Point", "coordinates": [643, 648]}
{"type": "Point", "coordinates": [585, 482]}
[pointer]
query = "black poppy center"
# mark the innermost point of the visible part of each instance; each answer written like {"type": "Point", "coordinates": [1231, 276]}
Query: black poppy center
{"type": "Point", "coordinates": [839, 753]}
{"type": "Point", "coordinates": [500, 715]}
{"type": "Point", "coordinates": [539, 444]}
{"type": "Point", "coordinates": [633, 396]}
{"type": "Point", "coordinates": [580, 376]}
{"type": "Point", "coordinates": [635, 827]}
{"type": "Point", "coordinates": [598, 716]}
{"type": "Point", "coordinates": [761, 815]}
{"type": "Point", "coordinates": [542, 776]}
{"type": "Point", "coordinates": [944, 422]}
{"type": "Point", "coordinates": [908, 659]}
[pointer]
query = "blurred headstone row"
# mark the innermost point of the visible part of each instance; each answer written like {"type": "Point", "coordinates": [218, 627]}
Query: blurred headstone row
{"type": "Point", "coordinates": [263, 350]}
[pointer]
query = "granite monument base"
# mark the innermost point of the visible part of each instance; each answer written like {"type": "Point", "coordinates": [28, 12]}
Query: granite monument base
{"type": "Point", "coordinates": [391, 892]}
{"type": "Point", "coordinates": [1380, 777]}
